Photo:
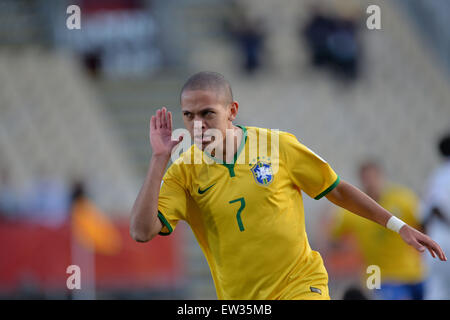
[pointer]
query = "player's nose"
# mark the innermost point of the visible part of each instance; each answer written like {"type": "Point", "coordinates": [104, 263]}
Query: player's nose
{"type": "Point", "coordinates": [199, 125]}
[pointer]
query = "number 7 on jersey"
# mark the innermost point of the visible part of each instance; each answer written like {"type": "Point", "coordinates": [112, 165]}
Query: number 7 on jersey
{"type": "Point", "coordinates": [238, 215]}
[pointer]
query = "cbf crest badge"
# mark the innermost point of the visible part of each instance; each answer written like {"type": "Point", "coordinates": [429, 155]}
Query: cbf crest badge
{"type": "Point", "coordinates": [262, 172]}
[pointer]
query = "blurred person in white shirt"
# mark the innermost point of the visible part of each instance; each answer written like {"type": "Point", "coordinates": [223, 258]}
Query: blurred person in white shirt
{"type": "Point", "coordinates": [436, 222]}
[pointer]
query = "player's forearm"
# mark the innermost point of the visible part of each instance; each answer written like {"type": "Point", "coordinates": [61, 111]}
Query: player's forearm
{"type": "Point", "coordinates": [354, 200]}
{"type": "Point", "coordinates": [144, 223]}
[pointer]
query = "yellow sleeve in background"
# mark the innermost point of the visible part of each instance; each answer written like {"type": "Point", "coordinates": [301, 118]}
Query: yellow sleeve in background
{"type": "Point", "coordinates": [340, 224]}
{"type": "Point", "coordinates": [403, 203]}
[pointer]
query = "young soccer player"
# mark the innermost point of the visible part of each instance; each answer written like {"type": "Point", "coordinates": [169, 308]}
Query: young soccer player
{"type": "Point", "coordinates": [245, 206]}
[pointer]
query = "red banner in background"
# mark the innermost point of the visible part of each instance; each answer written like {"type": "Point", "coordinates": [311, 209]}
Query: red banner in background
{"type": "Point", "coordinates": [38, 256]}
{"type": "Point", "coordinates": [95, 6]}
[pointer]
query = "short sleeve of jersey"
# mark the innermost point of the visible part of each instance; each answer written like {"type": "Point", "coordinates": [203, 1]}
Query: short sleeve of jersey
{"type": "Point", "coordinates": [412, 208]}
{"type": "Point", "coordinates": [173, 200]}
{"type": "Point", "coordinates": [307, 170]}
{"type": "Point", "coordinates": [408, 206]}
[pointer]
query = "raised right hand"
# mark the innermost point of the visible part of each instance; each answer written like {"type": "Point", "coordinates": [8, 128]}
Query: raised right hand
{"type": "Point", "coordinates": [161, 133]}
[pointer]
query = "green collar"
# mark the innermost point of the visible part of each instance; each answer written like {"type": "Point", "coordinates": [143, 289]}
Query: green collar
{"type": "Point", "coordinates": [230, 166]}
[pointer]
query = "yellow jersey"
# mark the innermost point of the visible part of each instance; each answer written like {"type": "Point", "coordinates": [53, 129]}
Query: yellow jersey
{"type": "Point", "coordinates": [398, 262]}
{"type": "Point", "coordinates": [248, 215]}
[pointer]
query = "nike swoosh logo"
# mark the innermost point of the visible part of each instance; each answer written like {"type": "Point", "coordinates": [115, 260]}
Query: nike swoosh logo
{"type": "Point", "coordinates": [204, 190]}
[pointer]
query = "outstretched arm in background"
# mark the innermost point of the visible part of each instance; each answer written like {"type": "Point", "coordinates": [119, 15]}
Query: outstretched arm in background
{"type": "Point", "coordinates": [351, 198]}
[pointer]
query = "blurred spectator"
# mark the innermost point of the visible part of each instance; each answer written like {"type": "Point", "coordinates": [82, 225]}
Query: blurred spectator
{"type": "Point", "coordinates": [354, 293]}
{"type": "Point", "coordinates": [436, 212]}
{"type": "Point", "coordinates": [9, 200]}
{"type": "Point", "coordinates": [91, 228]}
{"type": "Point", "coordinates": [401, 266]}
{"type": "Point", "coordinates": [93, 62]}
{"type": "Point", "coordinates": [249, 34]}
{"type": "Point", "coordinates": [333, 42]}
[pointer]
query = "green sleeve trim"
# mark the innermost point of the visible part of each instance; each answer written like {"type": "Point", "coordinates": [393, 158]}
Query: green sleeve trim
{"type": "Point", "coordinates": [334, 185]}
{"type": "Point", "coordinates": [165, 223]}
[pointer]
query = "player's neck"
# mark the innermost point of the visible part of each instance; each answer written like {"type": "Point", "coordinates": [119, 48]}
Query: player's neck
{"type": "Point", "coordinates": [228, 153]}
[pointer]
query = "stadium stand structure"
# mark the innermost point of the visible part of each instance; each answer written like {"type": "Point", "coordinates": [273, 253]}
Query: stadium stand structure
{"type": "Point", "coordinates": [51, 121]}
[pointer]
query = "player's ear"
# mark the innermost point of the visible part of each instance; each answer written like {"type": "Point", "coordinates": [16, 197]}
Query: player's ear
{"type": "Point", "coordinates": [233, 110]}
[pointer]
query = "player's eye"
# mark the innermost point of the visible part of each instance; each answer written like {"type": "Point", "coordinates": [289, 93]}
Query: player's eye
{"type": "Point", "coordinates": [188, 115]}
{"type": "Point", "coordinates": [208, 113]}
